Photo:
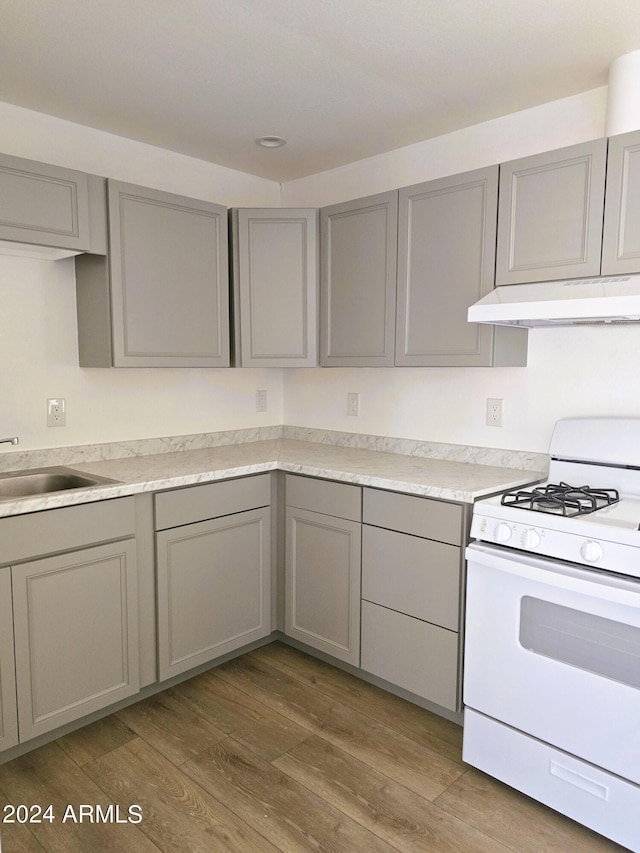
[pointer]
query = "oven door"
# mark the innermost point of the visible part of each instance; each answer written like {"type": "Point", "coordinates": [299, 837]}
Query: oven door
{"type": "Point", "coordinates": [553, 650]}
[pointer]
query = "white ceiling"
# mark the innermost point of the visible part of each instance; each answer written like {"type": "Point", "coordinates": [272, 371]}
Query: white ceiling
{"type": "Point", "coordinates": [339, 79]}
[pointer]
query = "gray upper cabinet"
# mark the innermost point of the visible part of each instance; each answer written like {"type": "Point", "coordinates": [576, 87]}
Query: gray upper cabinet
{"type": "Point", "coordinates": [161, 297]}
{"type": "Point", "coordinates": [446, 262]}
{"type": "Point", "coordinates": [550, 215]}
{"type": "Point", "coordinates": [43, 205]}
{"type": "Point", "coordinates": [621, 238]}
{"type": "Point", "coordinates": [275, 273]}
{"type": "Point", "coordinates": [358, 282]}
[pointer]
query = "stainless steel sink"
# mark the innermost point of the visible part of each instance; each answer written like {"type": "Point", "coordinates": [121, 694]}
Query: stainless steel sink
{"type": "Point", "coordinates": [45, 481]}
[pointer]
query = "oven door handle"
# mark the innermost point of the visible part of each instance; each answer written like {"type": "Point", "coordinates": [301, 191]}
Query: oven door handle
{"type": "Point", "coordinates": [556, 573]}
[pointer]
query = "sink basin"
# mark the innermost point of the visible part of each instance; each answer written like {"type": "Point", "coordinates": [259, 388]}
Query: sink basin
{"type": "Point", "coordinates": [45, 481]}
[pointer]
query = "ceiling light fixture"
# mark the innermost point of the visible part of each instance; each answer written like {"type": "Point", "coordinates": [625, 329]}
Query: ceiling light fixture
{"type": "Point", "coordinates": [271, 141]}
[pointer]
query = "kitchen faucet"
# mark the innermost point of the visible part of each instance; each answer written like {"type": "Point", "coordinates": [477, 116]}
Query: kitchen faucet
{"type": "Point", "coordinates": [13, 440]}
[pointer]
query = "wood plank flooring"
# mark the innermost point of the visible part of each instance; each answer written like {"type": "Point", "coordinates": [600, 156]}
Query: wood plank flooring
{"type": "Point", "coordinates": [275, 751]}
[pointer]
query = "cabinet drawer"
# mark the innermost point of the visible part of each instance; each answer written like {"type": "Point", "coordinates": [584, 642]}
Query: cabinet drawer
{"type": "Point", "coordinates": [210, 500]}
{"type": "Point", "coordinates": [411, 654]}
{"type": "Point", "coordinates": [65, 529]}
{"type": "Point", "coordinates": [419, 516]}
{"type": "Point", "coordinates": [337, 499]}
{"type": "Point", "coordinates": [411, 575]}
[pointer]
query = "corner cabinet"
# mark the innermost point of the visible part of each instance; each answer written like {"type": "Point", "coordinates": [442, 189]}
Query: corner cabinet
{"type": "Point", "coordinates": [214, 570]}
{"type": "Point", "coordinates": [43, 205]}
{"type": "Point", "coordinates": [550, 215]}
{"type": "Point", "coordinates": [275, 278]}
{"type": "Point", "coordinates": [621, 238]}
{"type": "Point", "coordinates": [358, 242]}
{"type": "Point", "coordinates": [322, 566]}
{"type": "Point", "coordinates": [160, 298]}
{"type": "Point", "coordinates": [446, 262]}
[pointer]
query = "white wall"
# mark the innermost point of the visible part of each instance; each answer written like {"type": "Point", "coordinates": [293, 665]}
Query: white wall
{"type": "Point", "coordinates": [571, 371]}
{"type": "Point", "coordinates": [38, 330]}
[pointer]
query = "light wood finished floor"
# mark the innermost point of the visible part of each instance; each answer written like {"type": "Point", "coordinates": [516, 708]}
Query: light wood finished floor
{"type": "Point", "coordinates": [277, 751]}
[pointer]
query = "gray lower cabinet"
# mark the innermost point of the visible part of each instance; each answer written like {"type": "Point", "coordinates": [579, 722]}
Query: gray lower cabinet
{"type": "Point", "coordinates": [214, 573]}
{"type": "Point", "coordinates": [446, 262]}
{"type": "Point", "coordinates": [322, 566]}
{"type": "Point", "coordinates": [160, 298]}
{"type": "Point", "coordinates": [43, 205]}
{"type": "Point", "coordinates": [75, 619]}
{"type": "Point", "coordinates": [550, 215]}
{"type": "Point", "coordinates": [275, 277]}
{"type": "Point", "coordinates": [358, 242]}
{"type": "Point", "coordinates": [621, 236]}
{"type": "Point", "coordinates": [412, 564]}
{"type": "Point", "coordinates": [8, 708]}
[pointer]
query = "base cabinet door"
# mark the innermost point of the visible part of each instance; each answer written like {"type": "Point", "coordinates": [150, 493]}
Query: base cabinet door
{"type": "Point", "coordinates": [76, 634]}
{"type": "Point", "coordinates": [322, 584]}
{"type": "Point", "coordinates": [8, 710]}
{"type": "Point", "coordinates": [214, 581]}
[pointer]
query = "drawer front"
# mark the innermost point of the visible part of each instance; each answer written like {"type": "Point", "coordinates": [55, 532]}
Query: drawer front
{"type": "Point", "coordinates": [211, 500]}
{"type": "Point", "coordinates": [412, 575]}
{"type": "Point", "coordinates": [338, 499]}
{"type": "Point", "coordinates": [53, 530]}
{"type": "Point", "coordinates": [411, 654]}
{"type": "Point", "coordinates": [425, 517]}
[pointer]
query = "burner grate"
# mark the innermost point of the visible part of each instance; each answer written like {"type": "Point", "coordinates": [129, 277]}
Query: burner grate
{"type": "Point", "coordinates": [561, 499]}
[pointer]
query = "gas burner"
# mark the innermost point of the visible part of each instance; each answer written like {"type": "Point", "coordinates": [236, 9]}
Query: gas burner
{"type": "Point", "coordinates": [562, 499]}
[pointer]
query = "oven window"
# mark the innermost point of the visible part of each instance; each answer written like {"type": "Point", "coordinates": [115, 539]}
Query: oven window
{"type": "Point", "coordinates": [598, 645]}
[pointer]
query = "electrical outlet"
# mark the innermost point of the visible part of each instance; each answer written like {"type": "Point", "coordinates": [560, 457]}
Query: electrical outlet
{"type": "Point", "coordinates": [494, 412]}
{"type": "Point", "coordinates": [261, 401]}
{"type": "Point", "coordinates": [353, 404]}
{"type": "Point", "coordinates": [56, 412]}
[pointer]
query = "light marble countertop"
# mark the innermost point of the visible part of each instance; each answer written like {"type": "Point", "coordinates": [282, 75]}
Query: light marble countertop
{"type": "Point", "coordinates": [450, 480]}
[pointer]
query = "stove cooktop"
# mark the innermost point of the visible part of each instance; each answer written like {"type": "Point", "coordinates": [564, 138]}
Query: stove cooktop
{"type": "Point", "coordinates": [561, 499]}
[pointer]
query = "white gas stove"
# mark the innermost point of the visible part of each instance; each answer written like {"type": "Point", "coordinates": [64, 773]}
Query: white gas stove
{"type": "Point", "coordinates": [552, 631]}
{"type": "Point", "coordinates": [588, 512]}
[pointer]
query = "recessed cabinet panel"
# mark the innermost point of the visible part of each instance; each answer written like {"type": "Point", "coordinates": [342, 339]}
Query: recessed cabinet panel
{"type": "Point", "coordinates": [214, 582]}
{"type": "Point", "coordinates": [446, 262]}
{"type": "Point", "coordinates": [322, 585]}
{"type": "Point", "coordinates": [550, 215]}
{"type": "Point", "coordinates": [161, 296]}
{"type": "Point", "coordinates": [76, 635]}
{"type": "Point", "coordinates": [8, 710]}
{"type": "Point", "coordinates": [621, 240]}
{"type": "Point", "coordinates": [358, 281]}
{"type": "Point", "coordinates": [276, 287]}
{"type": "Point", "coordinates": [43, 205]}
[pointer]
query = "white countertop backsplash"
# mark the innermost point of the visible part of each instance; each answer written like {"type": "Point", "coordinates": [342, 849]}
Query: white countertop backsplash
{"type": "Point", "coordinates": [448, 472]}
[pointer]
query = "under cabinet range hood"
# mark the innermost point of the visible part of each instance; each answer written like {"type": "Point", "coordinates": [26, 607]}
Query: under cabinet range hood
{"type": "Point", "coordinates": [584, 301]}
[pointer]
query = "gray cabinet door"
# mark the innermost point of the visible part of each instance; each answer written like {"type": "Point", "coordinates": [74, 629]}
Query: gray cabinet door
{"type": "Point", "coordinates": [322, 583]}
{"type": "Point", "coordinates": [446, 262]}
{"type": "Point", "coordinates": [214, 589]}
{"type": "Point", "coordinates": [550, 215]}
{"type": "Point", "coordinates": [276, 287]}
{"type": "Point", "coordinates": [43, 205]}
{"type": "Point", "coordinates": [161, 297]}
{"type": "Point", "coordinates": [76, 634]}
{"type": "Point", "coordinates": [621, 238]}
{"type": "Point", "coordinates": [8, 711]}
{"type": "Point", "coordinates": [358, 251]}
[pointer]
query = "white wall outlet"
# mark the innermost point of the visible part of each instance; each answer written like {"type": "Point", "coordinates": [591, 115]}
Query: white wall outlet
{"type": "Point", "coordinates": [56, 412]}
{"type": "Point", "coordinates": [261, 401]}
{"type": "Point", "coordinates": [494, 412]}
{"type": "Point", "coordinates": [353, 404]}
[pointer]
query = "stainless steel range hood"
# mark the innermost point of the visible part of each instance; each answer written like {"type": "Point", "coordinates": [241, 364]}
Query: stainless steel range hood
{"type": "Point", "coordinates": [585, 301]}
